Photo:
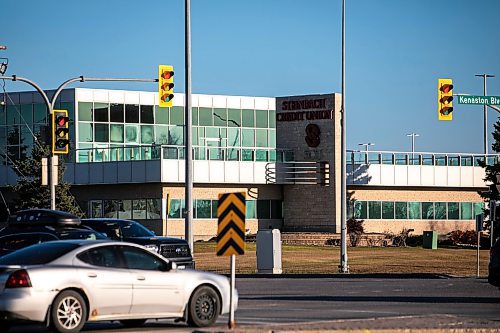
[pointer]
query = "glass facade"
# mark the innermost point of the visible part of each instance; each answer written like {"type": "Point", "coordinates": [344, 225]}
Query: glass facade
{"type": "Point", "coordinates": [116, 132]}
{"type": "Point", "coordinates": [413, 210]}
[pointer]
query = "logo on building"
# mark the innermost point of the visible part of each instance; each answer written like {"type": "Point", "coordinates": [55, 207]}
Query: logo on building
{"type": "Point", "coordinates": [312, 135]}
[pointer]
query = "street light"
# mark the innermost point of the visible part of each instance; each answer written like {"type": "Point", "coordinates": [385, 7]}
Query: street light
{"type": "Point", "coordinates": [4, 61]}
{"type": "Point", "coordinates": [485, 115]}
{"type": "Point", "coordinates": [413, 135]}
{"type": "Point", "coordinates": [366, 145]}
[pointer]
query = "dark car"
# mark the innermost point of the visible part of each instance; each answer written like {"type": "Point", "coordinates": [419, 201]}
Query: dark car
{"type": "Point", "coordinates": [494, 266]}
{"type": "Point", "coordinates": [32, 226]}
{"type": "Point", "coordinates": [174, 249]}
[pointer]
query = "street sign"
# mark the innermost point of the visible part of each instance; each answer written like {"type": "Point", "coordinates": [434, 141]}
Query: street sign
{"type": "Point", "coordinates": [231, 225]}
{"type": "Point", "coordinates": [479, 100]}
{"type": "Point", "coordinates": [479, 222]}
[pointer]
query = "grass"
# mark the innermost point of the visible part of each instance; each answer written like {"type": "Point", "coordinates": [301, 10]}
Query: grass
{"type": "Point", "coordinates": [325, 260]}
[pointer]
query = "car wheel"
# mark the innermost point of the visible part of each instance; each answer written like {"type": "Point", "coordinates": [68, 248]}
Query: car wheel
{"type": "Point", "coordinates": [68, 313]}
{"type": "Point", "coordinates": [133, 322]}
{"type": "Point", "coordinates": [204, 307]}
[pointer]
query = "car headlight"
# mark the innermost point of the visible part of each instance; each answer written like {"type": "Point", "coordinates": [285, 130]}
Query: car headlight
{"type": "Point", "coordinates": [152, 247]}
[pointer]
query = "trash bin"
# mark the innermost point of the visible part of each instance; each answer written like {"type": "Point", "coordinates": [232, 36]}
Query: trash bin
{"type": "Point", "coordinates": [269, 251]}
{"type": "Point", "coordinates": [430, 240]}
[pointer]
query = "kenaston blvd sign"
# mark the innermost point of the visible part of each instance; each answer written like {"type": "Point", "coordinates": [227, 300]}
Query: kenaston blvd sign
{"type": "Point", "coordinates": [478, 100]}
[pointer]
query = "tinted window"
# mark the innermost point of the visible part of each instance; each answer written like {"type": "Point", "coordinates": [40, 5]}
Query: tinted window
{"type": "Point", "coordinates": [80, 234]}
{"type": "Point", "coordinates": [38, 254]}
{"type": "Point", "coordinates": [19, 241]}
{"type": "Point", "coordinates": [134, 229]}
{"type": "Point", "coordinates": [105, 256]}
{"type": "Point", "coordinates": [142, 259]}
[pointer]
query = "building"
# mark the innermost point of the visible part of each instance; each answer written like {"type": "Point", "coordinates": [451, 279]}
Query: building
{"type": "Point", "coordinates": [126, 160]}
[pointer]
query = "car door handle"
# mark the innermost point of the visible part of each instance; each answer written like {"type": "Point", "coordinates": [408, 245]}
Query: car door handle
{"type": "Point", "coordinates": [141, 278]}
{"type": "Point", "coordinates": [92, 275]}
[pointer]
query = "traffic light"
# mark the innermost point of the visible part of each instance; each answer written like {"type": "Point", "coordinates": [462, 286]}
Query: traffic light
{"type": "Point", "coordinates": [445, 99]}
{"type": "Point", "coordinates": [165, 85]}
{"type": "Point", "coordinates": [60, 132]}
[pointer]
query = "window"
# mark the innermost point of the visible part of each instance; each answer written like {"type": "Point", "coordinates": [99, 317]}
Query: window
{"type": "Point", "coordinates": [147, 114]}
{"type": "Point", "coordinates": [84, 111]}
{"type": "Point", "coordinates": [136, 258]}
{"type": "Point", "coordinates": [39, 255]}
{"type": "Point", "coordinates": [234, 117]}
{"type": "Point", "coordinates": [478, 208]}
{"type": "Point", "coordinates": [161, 115]}
{"type": "Point", "coordinates": [220, 117]}
{"type": "Point", "coordinates": [388, 210]}
{"type": "Point", "coordinates": [131, 113]}
{"type": "Point", "coordinates": [215, 204]}
{"type": "Point", "coordinates": [176, 206]}
{"type": "Point", "coordinates": [203, 209]}
{"type": "Point", "coordinates": [453, 211]}
{"type": "Point", "coordinates": [360, 209]}
{"type": "Point", "coordinates": [428, 210]}
{"type": "Point", "coordinates": [85, 133]}
{"type": "Point", "coordinates": [261, 119]}
{"type": "Point", "coordinates": [105, 256]}
{"type": "Point", "coordinates": [251, 212]}
{"type": "Point", "coordinates": [272, 119]}
{"type": "Point", "coordinates": [276, 209]}
{"type": "Point", "coordinates": [116, 133]}
{"type": "Point", "coordinates": [139, 209]}
{"type": "Point", "coordinates": [116, 112]}
{"type": "Point", "coordinates": [154, 208]}
{"type": "Point", "coordinates": [414, 210]}
{"type": "Point", "coordinates": [177, 115]}
{"type": "Point", "coordinates": [401, 210]}
{"type": "Point", "coordinates": [206, 117]}
{"type": "Point", "coordinates": [101, 133]}
{"type": "Point", "coordinates": [147, 134]}
{"type": "Point", "coordinates": [101, 112]}
{"type": "Point", "coordinates": [466, 211]}
{"type": "Point", "coordinates": [374, 210]}
{"type": "Point", "coordinates": [263, 209]}
{"type": "Point", "coordinates": [440, 210]}
{"type": "Point", "coordinates": [248, 118]}
{"type": "Point", "coordinates": [96, 208]}
{"type": "Point", "coordinates": [248, 138]}
{"type": "Point", "coordinates": [161, 135]}
{"type": "Point", "coordinates": [131, 134]}
{"type": "Point", "coordinates": [261, 138]}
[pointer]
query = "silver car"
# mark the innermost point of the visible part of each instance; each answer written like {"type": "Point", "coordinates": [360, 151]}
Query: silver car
{"type": "Point", "coordinates": [66, 283]}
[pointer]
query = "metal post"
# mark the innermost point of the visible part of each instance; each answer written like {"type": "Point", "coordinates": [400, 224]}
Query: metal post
{"type": "Point", "coordinates": [232, 323]}
{"type": "Point", "coordinates": [485, 114]}
{"type": "Point", "coordinates": [188, 134]}
{"type": "Point", "coordinates": [478, 240]}
{"type": "Point", "coordinates": [343, 268]}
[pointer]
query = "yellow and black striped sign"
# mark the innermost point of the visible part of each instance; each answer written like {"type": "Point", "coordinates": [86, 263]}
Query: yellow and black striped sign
{"type": "Point", "coordinates": [231, 226]}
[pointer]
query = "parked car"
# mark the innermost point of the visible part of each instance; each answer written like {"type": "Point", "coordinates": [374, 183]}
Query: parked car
{"type": "Point", "coordinates": [494, 265]}
{"type": "Point", "coordinates": [65, 284]}
{"type": "Point", "coordinates": [174, 249]}
{"type": "Point", "coordinates": [34, 226]}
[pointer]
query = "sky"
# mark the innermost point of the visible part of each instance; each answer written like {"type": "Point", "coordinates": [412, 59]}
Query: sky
{"type": "Point", "coordinates": [395, 52]}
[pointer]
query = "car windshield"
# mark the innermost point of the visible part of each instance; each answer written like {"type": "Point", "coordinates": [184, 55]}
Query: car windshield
{"type": "Point", "coordinates": [80, 234]}
{"type": "Point", "coordinates": [134, 229]}
{"type": "Point", "coordinates": [38, 254]}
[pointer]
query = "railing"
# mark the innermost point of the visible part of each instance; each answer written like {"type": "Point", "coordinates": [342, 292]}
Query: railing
{"type": "Point", "coordinates": [169, 152]}
{"type": "Point", "coordinates": [421, 158]}
{"type": "Point", "coordinates": [298, 173]}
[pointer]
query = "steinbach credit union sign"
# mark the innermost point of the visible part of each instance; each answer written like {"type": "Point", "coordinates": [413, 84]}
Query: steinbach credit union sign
{"type": "Point", "coordinates": [298, 115]}
{"type": "Point", "coordinates": [479, 100]}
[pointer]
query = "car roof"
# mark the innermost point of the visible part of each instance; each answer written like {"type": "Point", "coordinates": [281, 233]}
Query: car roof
{"type": "Point", "coordinates": [39, 216]}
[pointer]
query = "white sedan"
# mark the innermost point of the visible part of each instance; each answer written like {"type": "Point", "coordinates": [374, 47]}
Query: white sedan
{"type": "Point", "coordinates": [67, 283]}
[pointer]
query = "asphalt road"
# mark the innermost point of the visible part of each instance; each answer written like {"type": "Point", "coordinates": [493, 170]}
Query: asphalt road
{"type": "Point", "coordinates": [347, 303]}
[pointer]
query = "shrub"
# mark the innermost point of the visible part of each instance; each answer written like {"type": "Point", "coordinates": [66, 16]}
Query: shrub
{"type": "Point", "coordinates": [354, 230]}
{"type": "Point", "coordinates": [459, 237]}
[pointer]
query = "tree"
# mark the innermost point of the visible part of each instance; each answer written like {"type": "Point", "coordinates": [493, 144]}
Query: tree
{"type": "Point", "coordinates": [30, 193]}
{"type": "Point", "coordinates": [491, 177]}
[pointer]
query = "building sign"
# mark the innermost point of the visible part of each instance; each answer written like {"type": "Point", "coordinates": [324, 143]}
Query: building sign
{"type": "Point", "coordinates": [307, 104]}
{"type": "Point", "coordinates": [312, 135]}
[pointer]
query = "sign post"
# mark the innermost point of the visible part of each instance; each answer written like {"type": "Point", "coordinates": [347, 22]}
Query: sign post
{"type": "Point", "coordinates": [231, 236]}
{"type": "Point", "coordinates": [479, 228]}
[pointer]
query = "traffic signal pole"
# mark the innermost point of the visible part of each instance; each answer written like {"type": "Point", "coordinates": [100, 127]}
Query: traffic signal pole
{"type": "Point", "coordinates": [50, 107]}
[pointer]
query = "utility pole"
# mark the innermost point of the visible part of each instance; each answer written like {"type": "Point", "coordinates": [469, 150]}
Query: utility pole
{"type": "Point", "coordinates": [485, 114]}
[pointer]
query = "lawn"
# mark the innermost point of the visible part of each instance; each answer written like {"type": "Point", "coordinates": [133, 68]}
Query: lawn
{"type": "Point", "coordinates": [325, 259]}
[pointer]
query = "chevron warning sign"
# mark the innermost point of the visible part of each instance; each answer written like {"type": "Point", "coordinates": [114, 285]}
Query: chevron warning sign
{"type": "Point", "coordinates": [231, 226]}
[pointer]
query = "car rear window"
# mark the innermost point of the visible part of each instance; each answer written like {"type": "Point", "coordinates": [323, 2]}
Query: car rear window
{"type": "Point", "coordinates": [38, 254]}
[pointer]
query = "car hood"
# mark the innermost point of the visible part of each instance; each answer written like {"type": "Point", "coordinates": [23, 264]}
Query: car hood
{"type": "Point", "coordinates": [154, 240]}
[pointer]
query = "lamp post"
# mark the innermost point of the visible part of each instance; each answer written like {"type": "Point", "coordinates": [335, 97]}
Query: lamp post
{"type": "Point", "coordinates": [485, 114]}
{"type": "Point", "coordinates": [366, 145]}
{"type": "Point", "coordinates": [413, 136]}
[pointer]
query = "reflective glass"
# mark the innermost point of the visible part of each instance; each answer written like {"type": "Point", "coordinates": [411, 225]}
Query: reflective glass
{"type": "Point", "coordinates": [263, 209]}
{"type": "Point", "coordinates": [116, 112]}
{"type": "Point", "coordinates": [276, 209]}
{"type": "Point", "coordinates": [116, 153]}
{"type": "Point", "coordinates": [206, 117]}
{"type": "Point", "coordinates": [234, 117]}
{"type": "Point", "coordinates": [203, 209]}
{"type": "Point", "coordinates": [220, 117]}
{"type": "Point", "coordinates": [388, 210]}
{"type": "Point", "coordinates": [139, 209]}
{"type": "Point", "coordinates": [233, 137]}
{"type": "Point", "coordinates": [401, 210]}
{"type": "Point", "coordinates": [116, 133]}
{"type": "Point", "coordinates": [177, 115]}
{"type": "Point", "coordinates": [466, 211]}
{"type": "Point", "coordinates": [440, 210]}
{"type": "Point", "coordinates": [248, 118]}
{"type": "Point", "coordinates": [261, 138]}
{"type": "Point", "coordinates": [13, 114]}
{"type": "Point", "coordinates": [84, 111]}
{"type": "Point", "coordinates": [272, 119]}
{"type": "Point", "coordinates": [40, 114]}
{"type": "Point", "coordinates": [161, 115]}
{"type": "Point", "coordinates": [176, 135]}
{"type": "Point", "coordinates": [131, 134]}
{"type": "Point", "coordinates": [96, 208]}
{"type": "Point", "coordinates": [147, 134]}
{"type": "Point", "coordinates": [194, 116]}
{"type": "Point", "coordinates": [215, 203]}
{"type": "Point", "coordinates": [261, 155]}
{"type": "Point", "coordinates": [414, 210]}
{"type": "Point", "coordinates": [247, 154]}
{"type": "Point", "coordinates": [374, 210]}
{"type": "Point", "coordinates": [27, 113]}
{"type": "Point", "coordinates": [131, 113]}
{"type": "Point", "coordinates": [360, 210]}
{"type": "Point", "coordinates": [272, 138]}
{"type": "Point", "coordinates": [478, 208]}
{"type": "Point", "coordinates": [153, 208]}
{"type": "Point", "coordinates": [175, 208]}
{"type": "Point", "coordinates": [251, 210]}
{"type": "Point", "coordinates": [261, 119]}
{"type": "Point", "coordinates": [101, 133]}
{"type": "Point", "coordinates": [161, 135]}
{"type": "Point", "coordinates": [248, 137]}
{"type": "Point", "coordinates": [428, 210]}
{"type": "Point", "coordinates": [101, 112]}
{"type": "Point", "coordinates": [85, 133]}
{"type": "Point", "coordinates": [453, 211]}
{"type": "Point", "coordinates": [147, 114]}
